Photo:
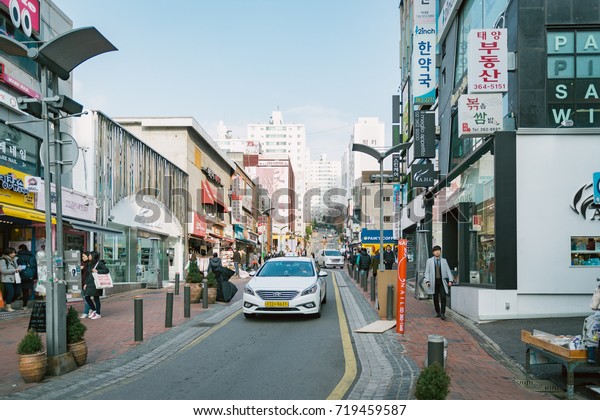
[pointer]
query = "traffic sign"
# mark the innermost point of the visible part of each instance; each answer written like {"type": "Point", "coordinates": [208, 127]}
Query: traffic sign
{"type": "Point", "coordinates": [69, 153]}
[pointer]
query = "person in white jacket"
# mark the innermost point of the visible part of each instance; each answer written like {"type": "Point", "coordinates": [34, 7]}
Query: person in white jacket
{"type": "Point", "coordinates": [438, 278]}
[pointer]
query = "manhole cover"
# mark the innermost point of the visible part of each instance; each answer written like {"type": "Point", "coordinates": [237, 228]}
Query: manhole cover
{"type": "Point", "coordinates": [538, 385]}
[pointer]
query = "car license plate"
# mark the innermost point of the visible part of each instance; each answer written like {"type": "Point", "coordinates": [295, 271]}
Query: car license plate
{"type": "Point", "coordinates": [277, 304]}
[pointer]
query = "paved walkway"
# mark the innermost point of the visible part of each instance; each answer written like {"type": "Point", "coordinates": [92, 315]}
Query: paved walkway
{"type": "Point", "coordinates": [389, 363]}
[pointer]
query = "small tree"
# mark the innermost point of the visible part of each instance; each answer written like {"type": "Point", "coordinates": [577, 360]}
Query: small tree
{"type": "Point", "coordinates": [194, 275]}
{"type": "Point", "coordinates": [75, 328]}
{"type": "Point", "coordinates": [30, 344]}
{"type": "Point", "coordinates": [211, 280]}
{"type": "Point", "coordinates": [433, 383]}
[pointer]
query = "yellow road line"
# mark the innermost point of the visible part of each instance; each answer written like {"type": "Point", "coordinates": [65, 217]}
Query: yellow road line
{"type": "Point", "coordinates": [212, 330]}
{"type": "Point", "coordinates": [350, 365]}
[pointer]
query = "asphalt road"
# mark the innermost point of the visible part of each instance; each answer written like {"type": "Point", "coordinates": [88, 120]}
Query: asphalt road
{"type": "Point", "coordinates": [264, 358]}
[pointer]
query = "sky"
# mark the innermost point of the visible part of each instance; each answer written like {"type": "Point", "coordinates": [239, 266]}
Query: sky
{"type": "Point", "coordinates": [322, 63]}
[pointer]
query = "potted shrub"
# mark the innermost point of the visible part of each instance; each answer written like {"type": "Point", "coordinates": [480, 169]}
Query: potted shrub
{"type": "Point", "coordinates": [194, 278]}
{"type": "Point", "coordinates": [433, 383]}
{"type": "Point", "coordinates": [75, 332]}
{"type": "Point", "coordinates": [211, 284]}
{"type": "Point", "coordinates": [32, 357]}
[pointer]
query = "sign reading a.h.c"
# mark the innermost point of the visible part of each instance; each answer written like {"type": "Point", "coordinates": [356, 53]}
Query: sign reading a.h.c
{"type": "Point", "coordinates": [597, 187]}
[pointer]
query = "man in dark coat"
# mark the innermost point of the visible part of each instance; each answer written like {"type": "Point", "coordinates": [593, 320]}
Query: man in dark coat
{"type": "Point", "coordinates": [388, 258]}
{"type": "Point", "coordinates": [225, 289]}
{"type": "Point", "coordinates": [364, 264]}
{"type": "Point", "coordinates": [28, 274]}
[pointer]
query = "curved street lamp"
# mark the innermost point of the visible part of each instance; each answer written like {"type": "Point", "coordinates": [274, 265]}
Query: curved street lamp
{"type": "Point", "coordinates": [59, 56]}
{"type": "Point", "coordinates": [380, 156]}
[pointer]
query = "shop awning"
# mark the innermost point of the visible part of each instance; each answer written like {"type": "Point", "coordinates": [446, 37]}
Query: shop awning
{"type": "Point", "coordinates": [23, 213]}
{"type": "Point", "coordinates": [208, 195]}
{"type": "Point", "coordinates": [91, 227]}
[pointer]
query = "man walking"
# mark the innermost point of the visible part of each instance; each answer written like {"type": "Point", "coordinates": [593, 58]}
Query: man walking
{"type": "Point", "coordinates": [237, 258]}
{"type": "Point", "coordinates": [388, 258]}
{"type": "Point", "coordinates": [364, 264]}
{"type": "Point", "coordinates": [438, 278]}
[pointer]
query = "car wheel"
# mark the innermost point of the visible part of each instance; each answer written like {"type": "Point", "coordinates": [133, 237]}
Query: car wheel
{"type": "Point", "coordinates": [249, 316]}
{"type": "Point", "coordinates": [324, 298]}
{"type": "Point", "coordinates": [318, 314]}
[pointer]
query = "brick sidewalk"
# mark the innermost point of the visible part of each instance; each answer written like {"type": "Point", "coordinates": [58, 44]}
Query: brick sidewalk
{"type": "Point", "coordinates": [106, 338]}
{"type": "Point", "coordinates": [474, 374]}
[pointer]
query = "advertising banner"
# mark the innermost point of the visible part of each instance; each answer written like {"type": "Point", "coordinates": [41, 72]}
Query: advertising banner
{"type": "Point", "coordinates": [423, 175]}
{"type": "Point", "coordinates": [424, 135]}
{"type": "Point", "coordinates": [423, 52]}
{"type": "Point", "coordinates": [401, 286]}
{"type": "Point", "coordinates": [488, 57]}
{"type": "Point", "coordinates": [479, 115]}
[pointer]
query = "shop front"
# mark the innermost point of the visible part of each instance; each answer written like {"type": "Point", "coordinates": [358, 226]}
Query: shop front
{"type": "Point", "coordinates": [523, 230]}
{"type": "Point", "coordinates": [150, 250]}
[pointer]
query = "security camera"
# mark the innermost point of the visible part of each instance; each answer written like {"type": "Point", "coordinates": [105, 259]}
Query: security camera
{"type": "Point", "coordinates": [111, 218]}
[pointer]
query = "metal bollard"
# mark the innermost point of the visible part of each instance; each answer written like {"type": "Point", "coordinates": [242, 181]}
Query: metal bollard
{"type": "Point", "coordinates": [138, 318]}
{"type": "Point", "coordinates": [186, 300]}
{"type": "Point", "coordinates": [204, 294]}
{"type": "Point", "coordinates": [373, 285]}
{"type": "Point", "coordinates": [435, 349]}
{"type": "Point", "coordinates": [169, 310]}
{"type": "Point", "coordinates": [366, 281]}
{"type": "Point", "coordinates": [176, 284]}
{"type": "Point", "coordinates": [390, 302]}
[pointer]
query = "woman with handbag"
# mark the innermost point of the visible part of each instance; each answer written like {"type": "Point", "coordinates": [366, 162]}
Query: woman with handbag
{"type": "Point", "coordinates": [9, 271]}
{"type": "Point", "coordinates": [95, 265]}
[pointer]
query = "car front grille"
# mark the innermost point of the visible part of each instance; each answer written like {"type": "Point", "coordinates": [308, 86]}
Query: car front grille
{"type": "Point", "coordinates": [277, 295]}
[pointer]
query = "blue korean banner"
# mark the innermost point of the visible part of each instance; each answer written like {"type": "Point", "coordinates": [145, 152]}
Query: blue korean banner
{"type": "Point", "coordinates": [371, 236]}
{"type": "Point", "coordinates": [597, 187]}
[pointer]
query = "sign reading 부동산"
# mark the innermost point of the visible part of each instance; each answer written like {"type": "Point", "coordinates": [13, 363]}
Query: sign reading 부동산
{"type": "Point", "coordinates": [488, 57]}
{"type": "Point", "coordinates": [423, 52]}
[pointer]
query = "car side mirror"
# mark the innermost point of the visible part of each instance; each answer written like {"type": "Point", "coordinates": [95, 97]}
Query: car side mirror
{"type": "Point", "coordinates": [323, 273]}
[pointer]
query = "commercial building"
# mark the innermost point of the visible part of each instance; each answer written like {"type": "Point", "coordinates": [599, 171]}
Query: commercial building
{"type": "Point", "coordinates": [513, 206]}
{"type": "Point", "coordinates": [324, 177]}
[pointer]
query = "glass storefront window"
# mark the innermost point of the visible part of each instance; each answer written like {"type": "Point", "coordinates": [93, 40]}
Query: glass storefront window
{"type": "Point", "coordinates": [585, 251]}
{"type": "Point", "coordinates": [115, 257]}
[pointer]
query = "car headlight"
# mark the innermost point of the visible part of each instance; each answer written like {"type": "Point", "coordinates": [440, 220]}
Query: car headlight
{"type": "Point", "coordinates": [248, 289]}
{"type": "Point", "coordinates": [312, 289]}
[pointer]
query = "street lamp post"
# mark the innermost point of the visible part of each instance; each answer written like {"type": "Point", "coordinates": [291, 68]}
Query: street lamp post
{"type": "Point", "coordinates": [281, 233]}
{"type": "Point", "coordinates": [380, 156]}
{"type": "Point", "coordinates": [269, 229]}
{"type": "Point", "coordinates": [57, 57]}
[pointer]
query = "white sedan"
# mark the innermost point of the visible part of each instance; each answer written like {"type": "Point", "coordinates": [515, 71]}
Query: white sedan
{"type": "Point", "coordinates": [330, 258]}
{"type": "Point", "coordinates": [286, 285]}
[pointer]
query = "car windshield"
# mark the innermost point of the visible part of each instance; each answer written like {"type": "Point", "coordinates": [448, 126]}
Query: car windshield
{"type": "Point", "coordinates": [286, 269]}
{"type": "Point", "coordinates": [333, 253]}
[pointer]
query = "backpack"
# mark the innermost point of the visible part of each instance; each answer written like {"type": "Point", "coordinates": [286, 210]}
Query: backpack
{"type": "Point", "coordinates": [30, 270]}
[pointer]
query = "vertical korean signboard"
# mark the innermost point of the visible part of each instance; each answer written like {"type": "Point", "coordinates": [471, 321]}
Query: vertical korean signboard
{"type": "Point", "coordinates": [423, 52]}
{"type": "Point", "coordinates": [488, 56]}
{"type": "Point", "coordinates": [401, 287]}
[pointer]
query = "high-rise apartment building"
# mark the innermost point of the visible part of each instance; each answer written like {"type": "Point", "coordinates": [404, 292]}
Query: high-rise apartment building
{"type": "Point", "coordinates": [324, 176]}
{"type": "Point", "coordinates": [276, 138]}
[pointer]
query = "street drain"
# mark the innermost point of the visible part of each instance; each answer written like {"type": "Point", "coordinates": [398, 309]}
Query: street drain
{"type": "Point", "coordinates": [538, 385]}
{"type": "Point", "coordinates": [205, 324]}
